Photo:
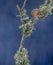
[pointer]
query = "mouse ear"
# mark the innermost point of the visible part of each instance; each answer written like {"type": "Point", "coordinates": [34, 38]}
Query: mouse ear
{"type": "Point", "coordinates": [37, 13]}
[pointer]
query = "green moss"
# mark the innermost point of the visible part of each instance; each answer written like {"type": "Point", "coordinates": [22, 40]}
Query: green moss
{"type": "Point", "coordinates": [21, 57]}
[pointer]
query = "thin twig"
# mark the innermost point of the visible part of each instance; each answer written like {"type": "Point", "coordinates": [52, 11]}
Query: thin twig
{"type": "Point", "coordinates": [22, 42]}
{"type": "Point", "coordinates": [24, 4]}
{"type": "Point", "coordinates": [18, 8]}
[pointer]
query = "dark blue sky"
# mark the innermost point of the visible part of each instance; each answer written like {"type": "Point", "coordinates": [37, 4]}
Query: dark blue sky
{"type": "Point", "coordinates": [39, 44]}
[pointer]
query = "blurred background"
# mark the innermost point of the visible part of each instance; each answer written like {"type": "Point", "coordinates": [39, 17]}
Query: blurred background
{"type": "Point", "coordinates": [39, 44]}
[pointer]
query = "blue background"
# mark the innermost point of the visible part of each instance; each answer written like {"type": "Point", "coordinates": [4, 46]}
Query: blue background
{"type": "Point", "coordinates": [39, 44]}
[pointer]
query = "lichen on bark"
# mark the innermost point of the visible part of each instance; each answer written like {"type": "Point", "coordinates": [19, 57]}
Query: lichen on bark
{"type": "Point", "coordinates": [27, 27]}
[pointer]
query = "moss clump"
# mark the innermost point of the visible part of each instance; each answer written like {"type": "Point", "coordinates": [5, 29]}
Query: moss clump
{"type": "Point", "coordinates": [21, 57]}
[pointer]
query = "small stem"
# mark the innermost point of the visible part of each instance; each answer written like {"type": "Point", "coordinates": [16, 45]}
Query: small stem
{"type": "Point", "coordinates": [24, 4]}
{"type": "Point", "coordinates": [18, 8]}
{"type": "Point", "coordinates": [22, 42]}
